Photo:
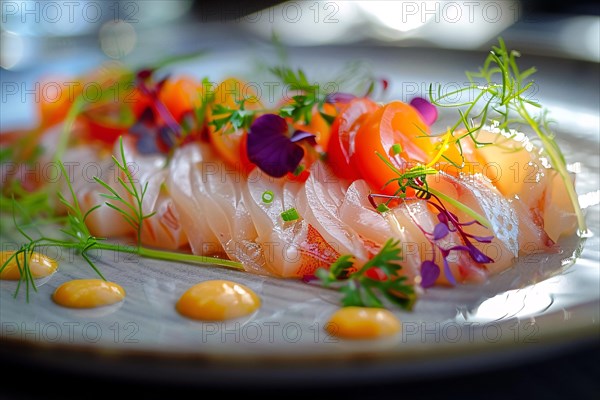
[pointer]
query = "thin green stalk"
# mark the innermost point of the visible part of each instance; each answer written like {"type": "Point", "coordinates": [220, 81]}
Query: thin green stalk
{"type": "Point", "coordinates": [188, 258]}
{"type": "Point", "coordinates": [559, 166]}
{"type": "Point", "coordinates": [467, 210]}
{"type": "Point", "coordinates": [65, 134]}
{"type": "Point", "coordinates": [169, 255]}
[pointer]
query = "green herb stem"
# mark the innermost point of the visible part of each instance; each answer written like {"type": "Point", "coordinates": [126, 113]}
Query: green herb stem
{"type": "Point", "coordinates": [67, 129]}
{"type": "Point", "coordinates": [188, 258]}
{"type": "Point", "coordinates": [556, 159]}
{"type": "Point", "coordinates": [460, 206]}
{"type": "Point", "coordinates": [167, 255]}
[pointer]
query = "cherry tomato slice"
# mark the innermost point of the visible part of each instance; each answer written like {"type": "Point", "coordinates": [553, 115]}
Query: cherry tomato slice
{"type": "Point", "coordinates": [397, 123]}
{"type": "Point", "coordinates": [231, 146]}
{"type": "Point", "coordinates": [56, 95]}
{"type": "Point", "coordinates": [180, 96]}
{"type": "Point", "coordinates": [343, 132]}
{"type": "Point", "coordinates": [106, 123]}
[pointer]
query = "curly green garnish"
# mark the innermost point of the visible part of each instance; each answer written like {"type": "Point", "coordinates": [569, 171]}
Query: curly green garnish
{"type": "Point", "coordinates": [132, 212]}
{"type": "Point", "coordinates": [502, 99]}
{"type": "Point", "coordinates": [364, 287]}
{"type": "Point", "coordinates": [77, 236]}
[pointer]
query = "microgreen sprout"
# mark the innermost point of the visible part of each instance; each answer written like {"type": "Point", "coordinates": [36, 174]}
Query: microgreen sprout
{"type": "Point", "coordinates": [502, 93]}
{"type": "Point", "coordinates": [364, 286]}
{"type": "Point", "coordinates": [131, 210]}
{"type": "Point", "coordinates": [230, 119]}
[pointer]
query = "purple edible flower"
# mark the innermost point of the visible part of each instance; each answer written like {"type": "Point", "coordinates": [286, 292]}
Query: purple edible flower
{"type": "Point", "coordinates": [271, 147]}
{"type": "Point", "coordinates": [448, 222]}
{"type": "Point", "coordinates": [429, 273]}
{"type": "Point", "coordinates": [474, 252]}
{"type": "Point", "coordinates": [440, 231]}
{"type": "Point", "coordinates": [447, 271]}
{"type": "Point", "coordinates": [152, 137]}
{"type": "Point", "coordinates": [148, 87]}
{"type": "Point", "coordinates": [427, 110]}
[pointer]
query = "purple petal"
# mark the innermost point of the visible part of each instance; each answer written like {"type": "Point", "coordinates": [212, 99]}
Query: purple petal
{"type": "Point", "coordinates": [470, 223]}
{"type": "Point", "coordinates": [429, 273]}
{"type": "Point", "coordinates": [166, 136]}
{"type": "Point", "coordinates": [270, 148]}
{"type": "Point", "coordinates": [269, 125]}
{"type": "Point", "coordinates": [302, 135]}
{"type": "Point", "coordinates": [145, 73]}
{"type": "Point", "coordinates": [448, 273]}
{"type": "Point", "coordinates": [146, 144]}
{"type": "Point", "coordinates": [440, 231]}
{"type": "Point", "coordinates": [427, 110]}
{"type": "Point", "coordinates": [166, 115]}
{"type": "Point", "coordinates": [475, 253]}
{"type": "Point", "coordinates": [481, 239]}
{"type": "Point", "coordinates": [443, 218]}
{"type": "Point", "coordinates": [339, 98]}
{"type": "Point", "coordinates": [478, 256]}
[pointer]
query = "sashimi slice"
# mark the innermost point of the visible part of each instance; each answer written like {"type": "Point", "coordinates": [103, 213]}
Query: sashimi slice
{"type": "Point", "coordinates": [192, 214]}
{"type": "Point", "coordinates": [558, 214]}
{"type": "Point", "coordinates": [512, 164]}
{"type": "Point", "coordinates": [291, 248]}
{"type": "Point", "coordinates": [162, 229]}
{"type": "Point", "coordinates": [509, 225]}
{"type": "Point", "coordinates": [372, 226]}
{"type": "Point", "coordinates": [406, 222]}
{"type": "Point", "coordinates": [319, 201]}
{"type": "Point", "coordinates": [226, 213]}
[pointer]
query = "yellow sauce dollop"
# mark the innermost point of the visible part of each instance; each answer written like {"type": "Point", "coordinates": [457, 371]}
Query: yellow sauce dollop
{"type": "Point", "coordinates": [218, 300]}
{"type": "Point", "coordinates": [362, 323]}
{"type": "Point", "coordinates": [39, 265]}
{"type": "Point", "coordinates": [88, 293]}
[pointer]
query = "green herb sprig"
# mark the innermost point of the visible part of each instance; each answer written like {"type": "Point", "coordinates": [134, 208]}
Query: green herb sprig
{"type": "Point", "coordinates": [361, 290]}
{"type": "Point", "coordinates": [504, 99]}
{"type": "Point", "coordinates": [310, 95]}
{"type": "Point", "coordinates": [76, 235]}
{"type": "Point", "coordinates": [132, 211]}
{"type": "Point", "coordinates": [416, 178]}
{"type": "Point", "coordinates": [229, 120]}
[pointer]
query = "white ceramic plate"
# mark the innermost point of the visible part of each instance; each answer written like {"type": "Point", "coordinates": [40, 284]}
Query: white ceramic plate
{"type": "Point", "coordinates": [449, 329]}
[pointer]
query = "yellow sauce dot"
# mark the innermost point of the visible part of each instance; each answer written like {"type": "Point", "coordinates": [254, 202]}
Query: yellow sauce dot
{"type": "Point", "coordinates": [88, 293]}
{"type": "Point", "coordinates": [362, 323]}
{"type": "Point", "coordinates": [218, 300]}
{"type": "Point", "coordinates": [39, 265]}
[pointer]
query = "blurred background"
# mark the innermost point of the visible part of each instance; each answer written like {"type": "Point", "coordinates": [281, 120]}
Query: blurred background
{"type": "Point", "coordinates": [133, 29]}
{"type": "Point", "coordinates": [68, 37]}
{"type": "Point", "coordinates": [47, 38]}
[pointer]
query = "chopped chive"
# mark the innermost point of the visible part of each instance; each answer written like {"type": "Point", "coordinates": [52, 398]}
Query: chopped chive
{"type": "Point", "coordinates": [268, 197]}
{"type": "Point", "coordinates": [396, 149]}
{"type": "Point", "coordinates": [290, 215]}
{"type": "Point", "coordinates": [381, 207]}
{"type": "Point", "coordinates": [299, 169]}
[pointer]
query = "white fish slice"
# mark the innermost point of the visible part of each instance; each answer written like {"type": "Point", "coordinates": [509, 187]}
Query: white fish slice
{"type": "Point", "coordinates": [293, 248]}
{"type": "Point", "coordinates": [191, 210]}
{"type": "Point", "coordinates": [319, 202]}
{"type": "Point", "coordinates": [220, 191]}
